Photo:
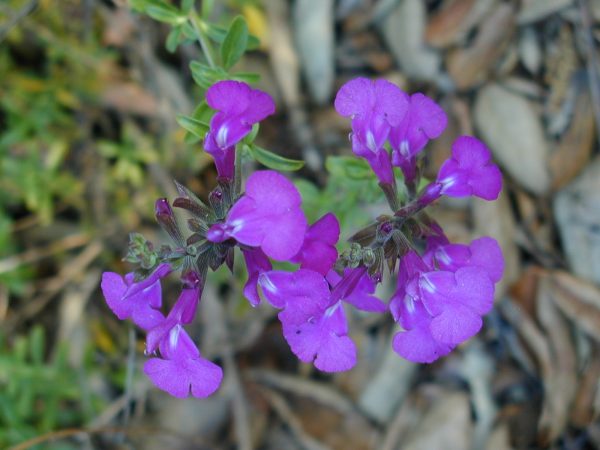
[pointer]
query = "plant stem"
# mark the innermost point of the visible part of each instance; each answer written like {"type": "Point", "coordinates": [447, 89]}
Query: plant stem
{"type": "Point", "coordinates": [207, 48]}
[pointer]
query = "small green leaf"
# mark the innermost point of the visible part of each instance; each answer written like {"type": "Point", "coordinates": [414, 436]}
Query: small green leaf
{"type": "Point", "coordinates": [166, 13]}
{"type": "Point", "coordinates": [218, 33]}
{"type": "Point", "coordinates": [274, 161]}
{"type": "Point", "coordinates": [205, 76]}
{"type": "Point", "coordinates": [235, 42]}
{"type": "Point", "coordinates": [174, 39]}
{"type": "Point", "coordinates": [349, 166]}
{"type": "Point", "coordinates": [246, 77]}
{"type": "Point", "coordinates": [194, 126]}
{"type": "Point", "coordinates": [187, 5]}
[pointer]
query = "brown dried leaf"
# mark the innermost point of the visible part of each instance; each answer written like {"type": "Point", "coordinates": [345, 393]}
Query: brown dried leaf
{"type": "Point", "coordinates": [560, 384]}
{"type": "Point", "coordinates": [129, 98]}
{"type": "Point", "coordinates": [576, 145]}
{"type": "Point", "coordinates": [452, 24]}
{"type": "Point", "coordinates": [584, 410]}
{"type": "Point", "coordinates": [447, 421]}
{"type": "Point", "coordinates": [579, 300]}
{"type": "Point", "coordinates": [448, 25]}
{"type": "Point", "coordinates": [470, 66]}
{"type": "Point", "coordinates": [512, 128]}
{"type": "Point", "coordinates": [496, 219]}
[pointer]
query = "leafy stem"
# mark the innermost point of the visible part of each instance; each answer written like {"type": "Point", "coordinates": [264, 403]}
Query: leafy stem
{"type": "Point", "coordinates": [200, 30]}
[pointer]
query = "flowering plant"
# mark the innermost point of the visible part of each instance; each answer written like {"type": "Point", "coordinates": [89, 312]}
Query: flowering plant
{"type": "Point", "coordinates": [443, 289]}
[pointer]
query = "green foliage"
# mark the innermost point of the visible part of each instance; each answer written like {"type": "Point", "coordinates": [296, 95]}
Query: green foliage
{"type": "Point", "coordinates": [36, 395]}
{"type": "Point", "coordinates": [235, 42]}
{"type": "Point", "coordinates": [351, 182]}
{"type": "Point", "coordinates": [272, 160]}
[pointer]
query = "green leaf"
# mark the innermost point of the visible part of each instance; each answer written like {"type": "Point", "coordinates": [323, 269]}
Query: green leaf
{"type": "Point", "coordinates": [187, 5]}
{"type": "Point", "coordinates": [166, 13]}
{"type": "Point", "coordinates": [194, 126]}
{"type": "Point", "coordinates": [235, 42]}
{"type": "Point", "coordinates": [274, 161]}
{"type": "Point", "coordinates": [246, 77]}
{"type": "Point", "coordinates": [350, 167]}
{"type": "Point", "coordinates": [174, 39]}
{"type": "Point", "coordinates": [205, 76]}
{"type": "Point", "coordinates": [218, 33]}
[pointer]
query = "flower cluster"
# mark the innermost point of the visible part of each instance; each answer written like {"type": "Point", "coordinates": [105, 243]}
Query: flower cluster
{"type": "Point", "coordinates": [443, 289]}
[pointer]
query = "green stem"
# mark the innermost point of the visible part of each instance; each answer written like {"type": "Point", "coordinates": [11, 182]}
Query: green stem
{"type": "Point", "coordinates": [207, 48]}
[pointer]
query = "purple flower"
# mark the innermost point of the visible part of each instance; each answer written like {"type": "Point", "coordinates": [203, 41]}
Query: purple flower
{"type": "Point", "coordinates": [182, 369]}
{"type": "Point", "coordinates": [312, 317]}
{"type": "Point", "coordinates": [361, 294]}
{"type": "Point", "coordinates": [318, 251]}
{"type": "Point", "coordinates": [456, 301]}
{"type": "Point", "coordinates": [256, 263]}
{"type": "Point", "coordinates": [139, 301]}
{"type": "Point", "coordinates": [424, 120]}
{"type": "Point", "coordinates": [416, 343]}
{"type": "Point", "coordinates": [374, 107]}
{"type": "Point", "coordinates": [183, 312]}
{"type": "Point", "coordinates": [267, 216]}
{"type": "Point", "coordinates": [314, 326]}
{"type": "Point", "coordinates": [470, 171]}
{"type": "Point", "coordinates": [239, 108]}
{"type": "Point", "coordinates": [483, 252]}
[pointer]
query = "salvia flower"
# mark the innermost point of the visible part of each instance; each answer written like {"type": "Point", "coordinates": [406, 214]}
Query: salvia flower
{"type": "Point", "coordinates": [139, 301]}
{"type": "Point", "coordinates": [181, 370]}
{"type": "Point", "coordinates": [374, 107]}
{"type": "Point", "coordinates": [443, 289]}
{"type": "Point", "coordinates": [182, 313]}
{"type": "Point", "coordinates": [268, 216]}
{"type": "Point", "coordinates": [318, 250]}
{"type": "Point", "coordinates": [424, 120]}
{"type": "Point", "coordinates": [470, 171]}
{"type": "Point", "coordinates": [239, 108]}
{"type": "Point", "coordinates": [313, 319]}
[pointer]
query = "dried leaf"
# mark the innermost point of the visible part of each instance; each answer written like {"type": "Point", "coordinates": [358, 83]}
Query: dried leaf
{"type": "Point", "coordinates": [577, 213]}
{"type": "Point", "coordinates": [576, 145]}
{"type": "Point", "coordinates": [513, 130]}
{"type": "Point", "coordinates": [470, 66]}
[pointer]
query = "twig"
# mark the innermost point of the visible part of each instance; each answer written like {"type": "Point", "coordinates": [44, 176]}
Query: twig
{"type": "Point", "coordinates": [142, 431]}
{"type": "Point", "coordinates": [239, 405]}
{"type": "Point", "coordinates": [75, 267]}
{"type": "Point", "coordinates": [285, 412]}
{"type": "Point", "coordinates": [19, 15]}
{"type": "Point", "coordinates": [35, 254]}
{"type": "Point", "coordinates": [313, 390]}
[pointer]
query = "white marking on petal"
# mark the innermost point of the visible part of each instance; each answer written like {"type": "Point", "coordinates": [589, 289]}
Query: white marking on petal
{"type": "Point", "coordinates": [405, 148]}
{"type": "Point", "coordinates": [222, 136]}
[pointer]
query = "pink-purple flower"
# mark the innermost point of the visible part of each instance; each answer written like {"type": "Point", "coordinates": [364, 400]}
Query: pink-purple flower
{"type": "Point", "coordinates": [181, 370]}
{"type": "Point", "coordinates": [239, 108]}
{"type": "Point", "coordinates": [469, 171]}
{"type": "Point", "coordinates": [139, 301]}
{"type": "Point", "coordinates": [440, 300]}
{"type": "Point", "coordinates": [318, 250]}
{"type": "Point", "coordinates": [424, 120]}
{"type": "Point", "coordinates": [268, 216]}
{"type": "Point", "coordinates": [313, 318]}
{"type": "Point", "coordinates": [374, 107]}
